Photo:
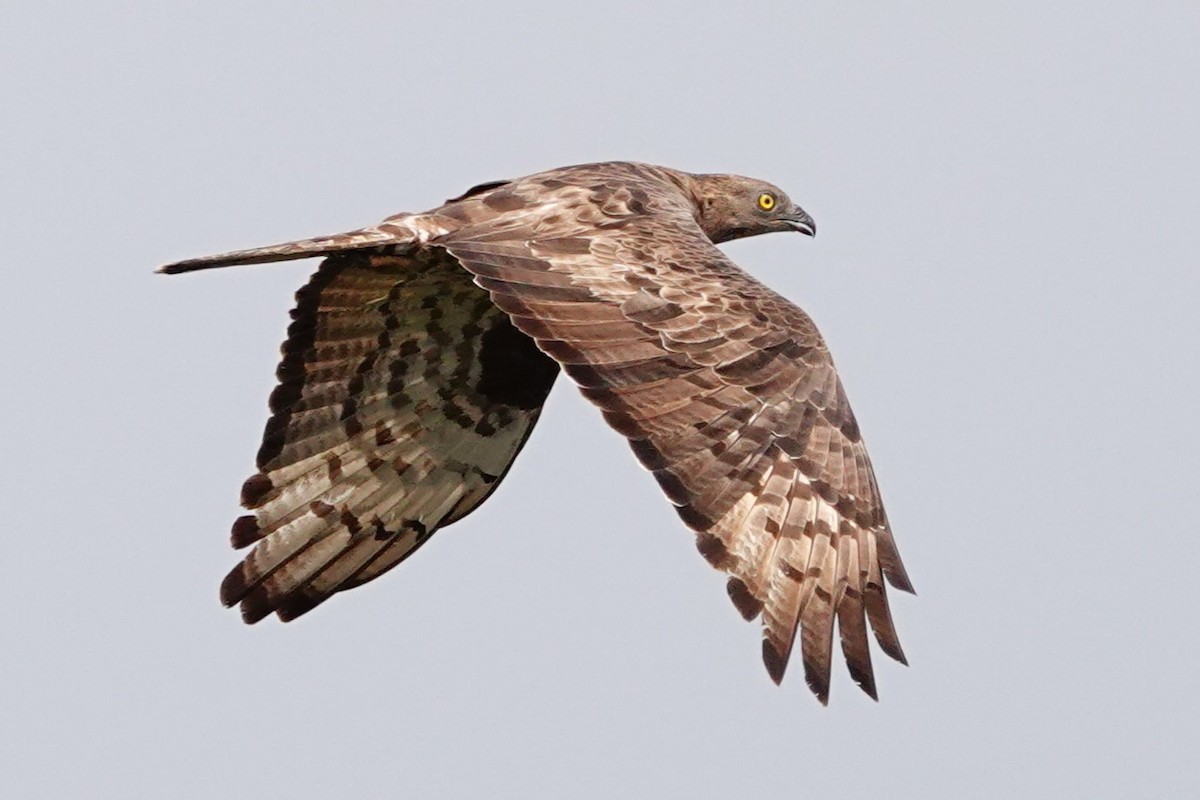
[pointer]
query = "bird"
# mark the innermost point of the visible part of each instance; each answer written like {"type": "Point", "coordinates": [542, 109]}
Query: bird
{"type": "Point", "coordinates": [421, 351]}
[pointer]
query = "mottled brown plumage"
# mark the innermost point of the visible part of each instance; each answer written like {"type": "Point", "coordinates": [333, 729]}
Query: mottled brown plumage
{"type": "Point", "coordinates": [423, 348]}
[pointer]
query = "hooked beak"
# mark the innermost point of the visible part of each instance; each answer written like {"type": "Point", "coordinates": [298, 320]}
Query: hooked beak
{"type": "Point", "coordinates": [799, 220]}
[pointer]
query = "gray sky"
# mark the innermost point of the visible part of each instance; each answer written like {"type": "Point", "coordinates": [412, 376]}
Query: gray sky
{"type": "Point", "coordinates": [1006, 274]}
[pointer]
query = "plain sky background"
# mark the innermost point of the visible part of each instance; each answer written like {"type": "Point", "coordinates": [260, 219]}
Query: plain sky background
{"type": "Point", "coordinates": [1006, 272]}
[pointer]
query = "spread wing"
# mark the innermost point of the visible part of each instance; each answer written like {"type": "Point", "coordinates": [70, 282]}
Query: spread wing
{"type": "Point", "coordinates": [404, 395]}
{"type": "Point", "coordinates": [727, 393]}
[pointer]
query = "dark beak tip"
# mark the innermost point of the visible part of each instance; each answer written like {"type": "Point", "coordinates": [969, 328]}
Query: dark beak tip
{"type": "Point", "coordinates": [802, 222]}
{"type": "Point", "coordinates": [805, 226]}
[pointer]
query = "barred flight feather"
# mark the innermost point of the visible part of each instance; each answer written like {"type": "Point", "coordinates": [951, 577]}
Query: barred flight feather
{"type": "Point", "coordinates": [422, 350]}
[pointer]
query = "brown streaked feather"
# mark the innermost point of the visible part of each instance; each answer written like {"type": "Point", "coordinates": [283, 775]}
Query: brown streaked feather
{"type": "Point", "coordinates": [718, 383]}
{"type": "Point", "coordinates": [390, 421]}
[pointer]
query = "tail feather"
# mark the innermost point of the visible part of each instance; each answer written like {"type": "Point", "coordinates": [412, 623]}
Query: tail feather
{"type": "Point", "coordinates": [398, 233]}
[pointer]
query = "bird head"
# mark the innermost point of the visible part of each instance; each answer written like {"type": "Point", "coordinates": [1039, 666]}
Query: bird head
{"type": "Point", "coordinates": [732, 207]}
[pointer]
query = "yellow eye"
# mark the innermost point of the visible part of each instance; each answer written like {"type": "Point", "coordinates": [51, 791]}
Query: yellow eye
{"type": "Point", "coordinates": [766, 201]}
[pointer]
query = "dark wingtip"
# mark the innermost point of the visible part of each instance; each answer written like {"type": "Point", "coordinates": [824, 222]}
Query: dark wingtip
{"type": "Point", "coordinates": [817, 678]}
{"type": "Point", "coordinates": [819, 688]}
{"type": "Point", "coordinates": [775, 662]}
{"type": "Point", "coordinates": [245, 532]}
{"type": "Point", "coordinates": [891, 646]}
{"type": "Point", "coordinates": [697, 521]}
{"type": "Point", "coordinates": [746, 603]}
{"type": "Point", "coordinates": [256, 606]}
{"type": "Point", "coordinates": [648, 454]}
{"type": "Point", "coordinates": [711, 547]}
{"type": "Point", "coordinates": [900, 581]}
{"type": "Point", "coordinates": [672, 487]}
{"type": "Point", "coordinates": [866, 682]}
{"type": "Point", "coordinates": [897, 576]}
{"type": "Point", "coordinates": [255, 490]}
{"type": "Point", "coordinates": [297, 605]}
{"type": "Point", "coordinates": [234, 587]}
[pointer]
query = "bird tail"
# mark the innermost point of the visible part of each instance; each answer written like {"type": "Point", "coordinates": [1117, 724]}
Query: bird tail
{"type": "Point", "coordinates": [398, 233]}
